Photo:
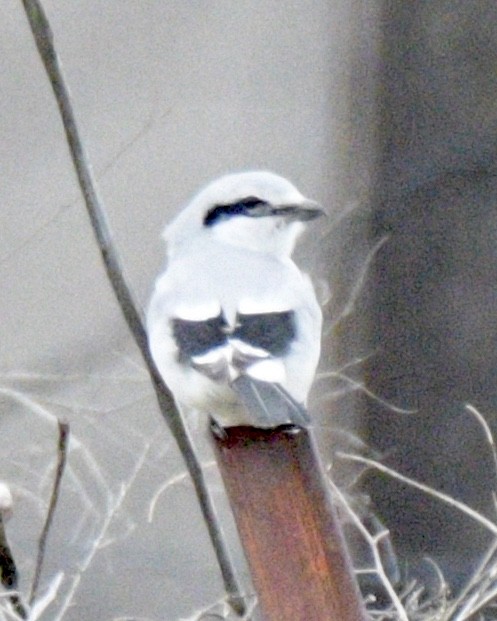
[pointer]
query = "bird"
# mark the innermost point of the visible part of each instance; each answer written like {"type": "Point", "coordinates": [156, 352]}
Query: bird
{"type": "Point", "coordinates": [234, 326]}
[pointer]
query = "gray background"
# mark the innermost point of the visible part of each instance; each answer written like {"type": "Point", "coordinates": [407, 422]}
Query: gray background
{"type": "Point", "coordinates": [383, 111]}
{"type": "Point", "coordinates": [168, 95]}
{"type": "Point", "coordinates": [433, 298]}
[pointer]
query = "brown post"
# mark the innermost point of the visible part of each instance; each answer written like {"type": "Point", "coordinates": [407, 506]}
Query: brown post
{"type": "Point", "coordinates": [288, 525]}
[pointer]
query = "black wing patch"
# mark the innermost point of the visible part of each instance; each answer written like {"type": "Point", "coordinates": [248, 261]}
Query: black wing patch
{"type": "Point", "coordinates": [272, 332]}
{"type": "Point", "coordinates": [198, 337]}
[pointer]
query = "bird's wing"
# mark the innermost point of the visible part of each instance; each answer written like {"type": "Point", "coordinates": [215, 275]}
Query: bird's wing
{"type": "Point", "coordinates": [268, 404]}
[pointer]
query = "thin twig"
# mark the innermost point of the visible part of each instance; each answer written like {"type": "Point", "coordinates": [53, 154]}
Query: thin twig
{"type": "Point", "coordinates": [488, 432]}
{"type": "Point", "coordinates": [360, 387]}
{"type": "Point", "coordinates": [358, 287]}
{"type": "Point", "coordinates": [43, 36]}
{"type": "Point", "coordinates": [374, 542]}
{"type": "Point", "coordinates": [52, 505]}
{"type": "Point", "coordinates": [477, 517]}
{"type": "Point", "coordinates": [474, 591]}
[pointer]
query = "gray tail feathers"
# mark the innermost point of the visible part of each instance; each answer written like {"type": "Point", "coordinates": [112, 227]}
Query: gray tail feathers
{"type": "Point", "coordinates": [269, 405]}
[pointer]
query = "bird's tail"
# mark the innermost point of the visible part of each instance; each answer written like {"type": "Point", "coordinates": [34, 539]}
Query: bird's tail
{"type": "Point", "coordinates": [269, 405]}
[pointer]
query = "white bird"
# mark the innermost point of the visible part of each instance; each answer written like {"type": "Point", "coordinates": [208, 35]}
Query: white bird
{"type": "Point", "coordinates": [234, 326]}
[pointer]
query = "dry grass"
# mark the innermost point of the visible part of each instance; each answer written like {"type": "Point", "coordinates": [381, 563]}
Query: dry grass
{"type": "Point", "coordinates": [476, 600]}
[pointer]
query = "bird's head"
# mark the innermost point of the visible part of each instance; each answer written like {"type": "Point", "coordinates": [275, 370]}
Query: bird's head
{"type": "Point", "coordinates": [256, 210]}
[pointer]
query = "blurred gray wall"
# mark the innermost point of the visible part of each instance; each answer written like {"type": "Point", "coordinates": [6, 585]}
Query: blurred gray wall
{"type": "Point", "coordinates": [432, 306]}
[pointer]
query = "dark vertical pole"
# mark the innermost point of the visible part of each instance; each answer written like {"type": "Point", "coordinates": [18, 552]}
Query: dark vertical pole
{"type": "Point", "coordinates": [288, 526]}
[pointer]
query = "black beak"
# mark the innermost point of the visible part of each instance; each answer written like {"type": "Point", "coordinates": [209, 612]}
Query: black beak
{"type": "Point", "coordinates": [303, 212]}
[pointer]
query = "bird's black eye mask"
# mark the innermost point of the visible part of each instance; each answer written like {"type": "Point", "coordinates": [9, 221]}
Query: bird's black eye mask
{"type": "Point", "coordinates": [251, 206]}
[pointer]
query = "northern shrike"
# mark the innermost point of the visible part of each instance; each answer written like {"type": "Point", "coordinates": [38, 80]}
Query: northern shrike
{"type": "Point", "coordinates": [234, 326]}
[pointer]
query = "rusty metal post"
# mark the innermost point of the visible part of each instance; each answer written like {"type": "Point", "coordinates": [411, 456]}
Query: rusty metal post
{"type": "Point", "coordinates": [288, 526]}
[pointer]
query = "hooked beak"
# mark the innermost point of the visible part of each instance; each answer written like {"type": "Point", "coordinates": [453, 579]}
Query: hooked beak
{"type": "Point", "coordinates": [303, 212]}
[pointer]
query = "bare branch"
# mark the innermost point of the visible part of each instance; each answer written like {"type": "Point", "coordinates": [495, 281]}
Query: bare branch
{"type": "Point", "coordinates": [59, 472]}
{"type": "Point", "coordinates": [463, 508]}
{"type": "Point", "coordinates": [374, 542]}
{"type": "Point", "coordinates": [43, 36]}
